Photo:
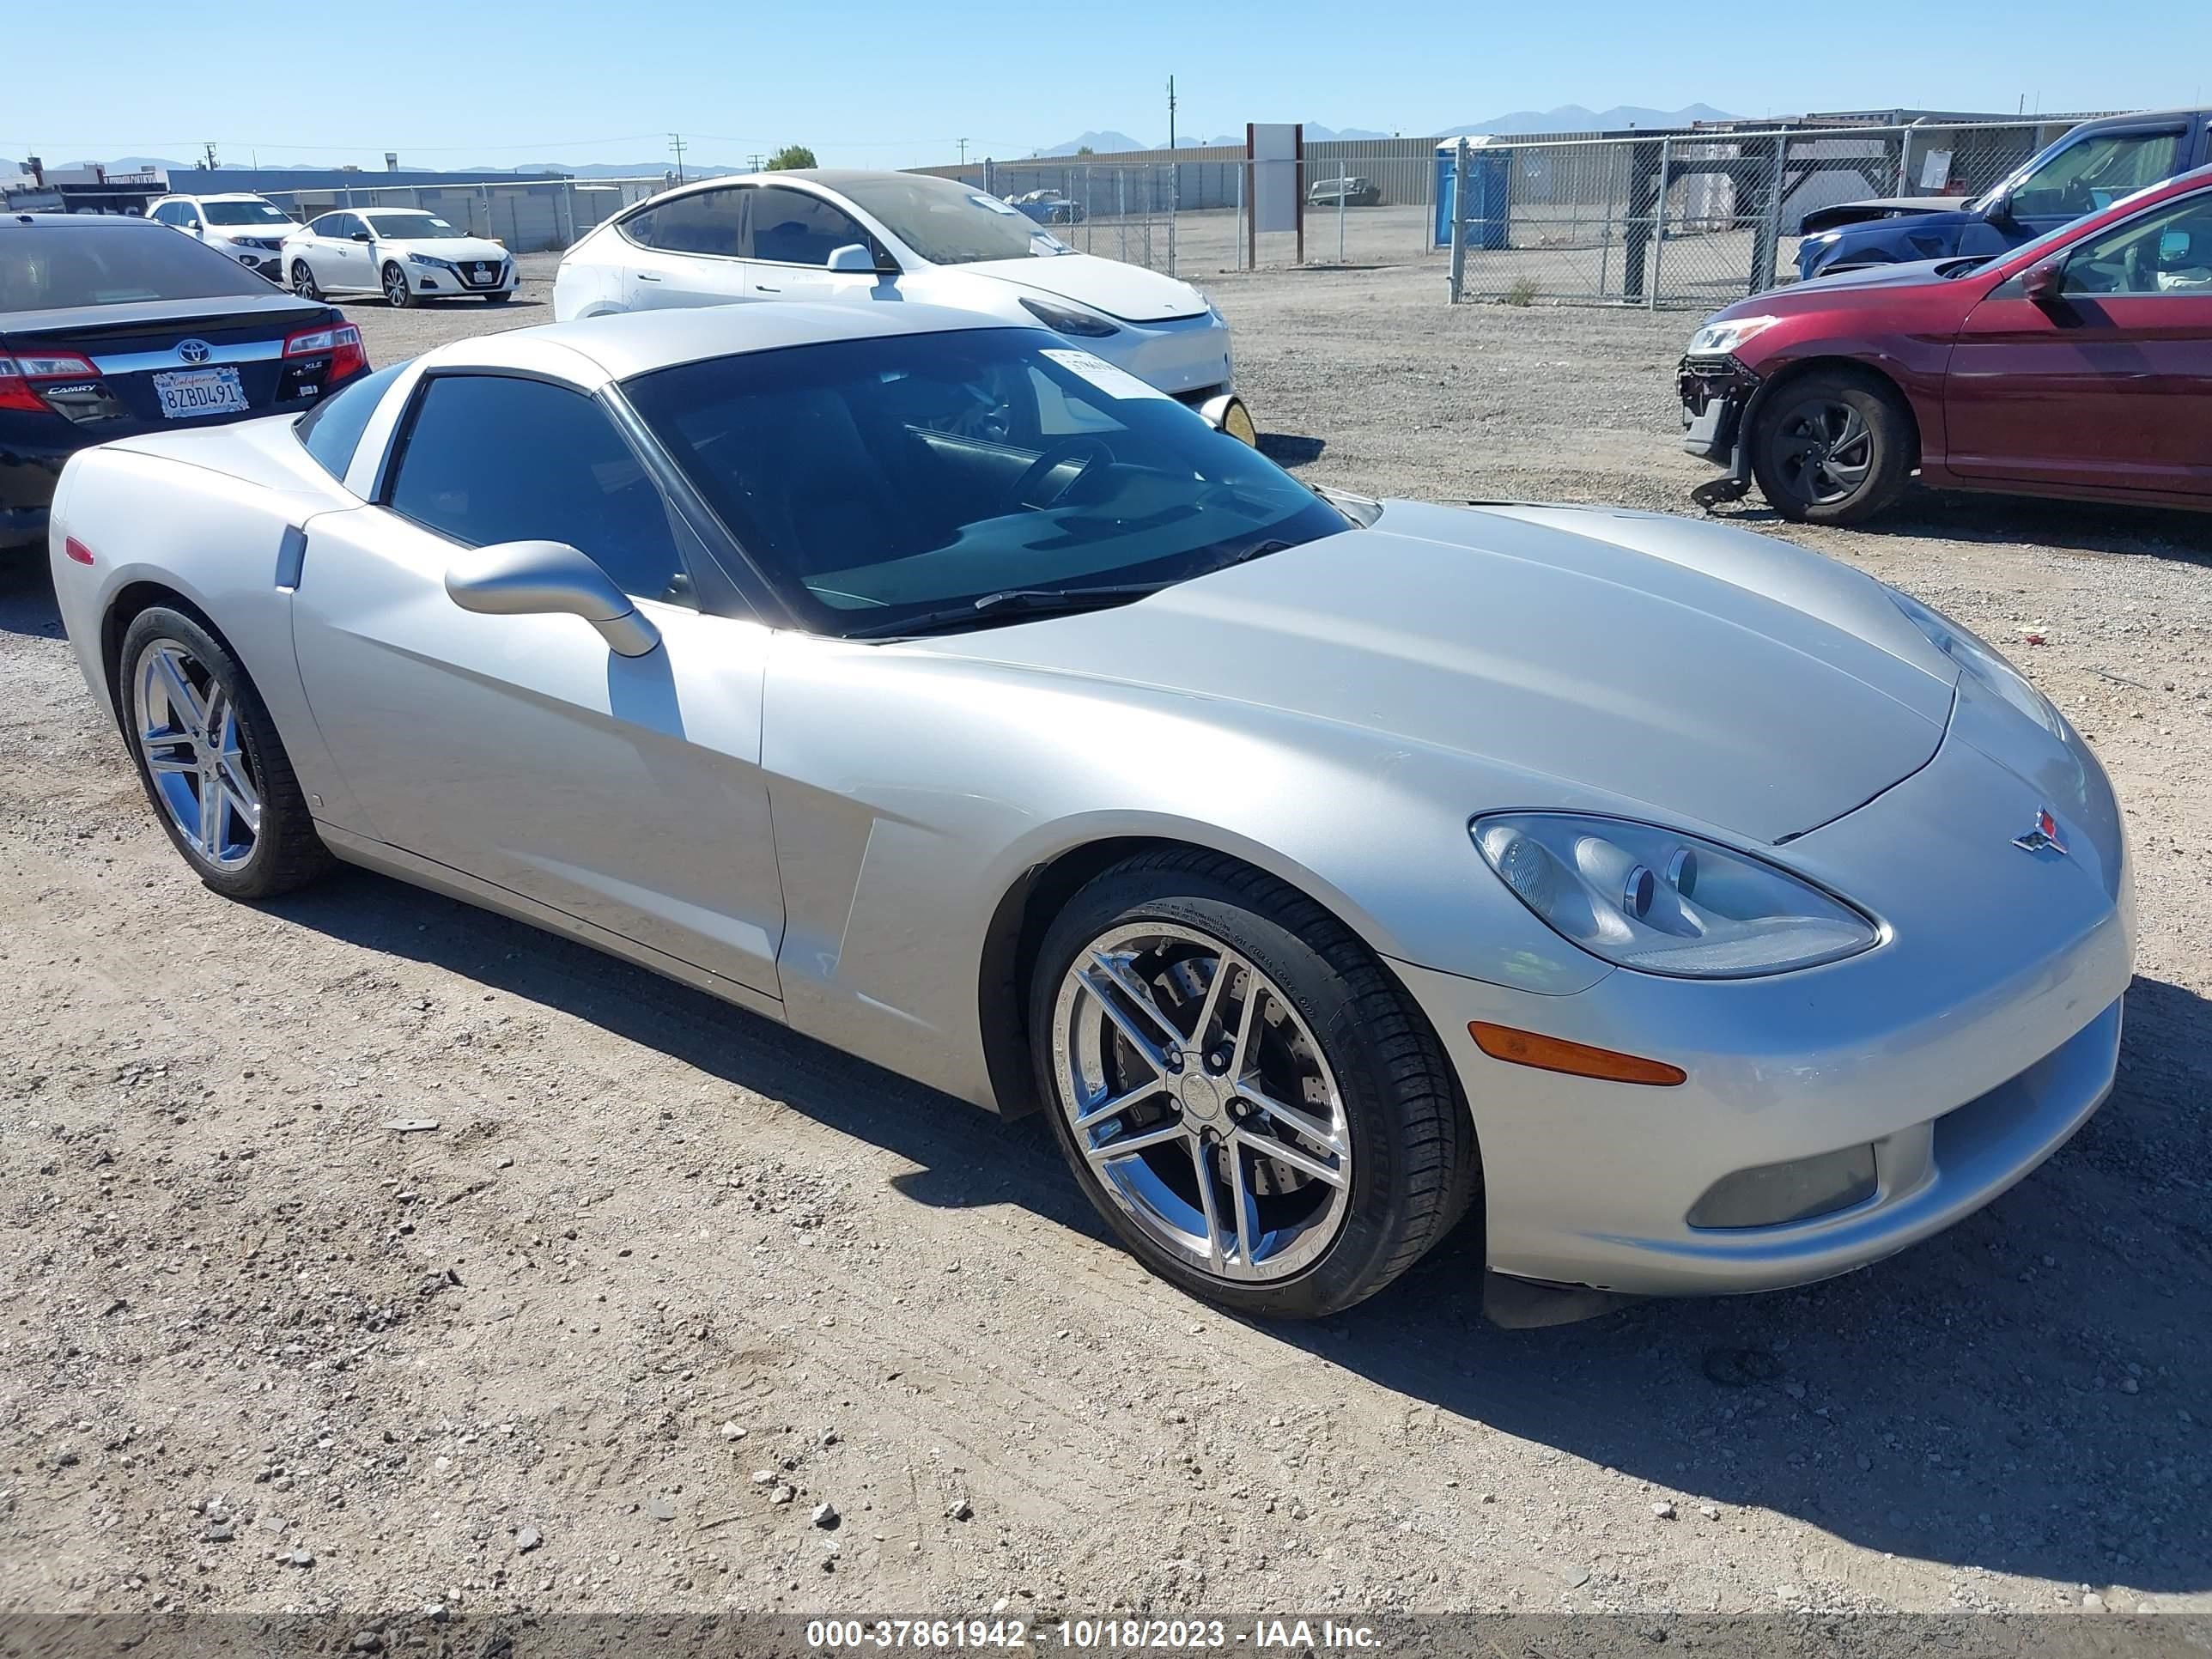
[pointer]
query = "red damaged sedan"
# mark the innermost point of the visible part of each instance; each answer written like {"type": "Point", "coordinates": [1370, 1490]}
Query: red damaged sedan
{"type": "Point", "coordinates": [2077, 365]}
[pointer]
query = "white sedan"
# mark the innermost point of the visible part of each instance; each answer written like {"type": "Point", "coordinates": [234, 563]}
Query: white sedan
{"type": "Point", "coordinates": [901, 237]}
{"type": "Point", "coordinates": [403, 253]}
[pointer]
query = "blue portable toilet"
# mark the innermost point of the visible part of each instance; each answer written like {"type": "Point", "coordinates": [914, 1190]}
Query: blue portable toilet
{"type": "Point", "coordinates": [1489, 176]}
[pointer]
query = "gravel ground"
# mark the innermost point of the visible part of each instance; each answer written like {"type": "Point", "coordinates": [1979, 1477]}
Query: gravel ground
{"type": "Point", "coordinates": [664, 1278]}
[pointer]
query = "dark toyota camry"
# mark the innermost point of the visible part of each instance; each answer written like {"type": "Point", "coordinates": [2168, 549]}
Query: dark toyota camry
{"type": "Point", "coordinates": [112, 326]}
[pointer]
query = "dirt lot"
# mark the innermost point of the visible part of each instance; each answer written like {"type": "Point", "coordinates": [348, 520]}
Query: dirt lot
{"type": "Point", "coordinates": [664, 1278]}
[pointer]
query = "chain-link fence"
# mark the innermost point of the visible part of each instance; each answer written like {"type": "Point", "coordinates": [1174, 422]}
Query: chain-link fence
{"type": "Point", "coordinates": [1370, 202]}
{"type": "Point", "coordinates": [529, 217]}
{"type": "Point", "coordinates": [1687, 220]}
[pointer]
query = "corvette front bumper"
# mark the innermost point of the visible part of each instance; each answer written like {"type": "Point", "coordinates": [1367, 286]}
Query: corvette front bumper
{"type": "Point", "coordinates": [1963, 1049]}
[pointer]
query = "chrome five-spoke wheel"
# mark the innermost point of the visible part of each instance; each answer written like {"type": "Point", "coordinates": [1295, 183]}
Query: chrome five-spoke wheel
{"type": "Point", "coordinates": [187, 729]}
{"type": "Point", "coordinates": [1202, 1102]}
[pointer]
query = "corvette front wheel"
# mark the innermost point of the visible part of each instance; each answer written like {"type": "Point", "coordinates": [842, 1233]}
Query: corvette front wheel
{"type": "Point", "coordinates": [1242, 1089]}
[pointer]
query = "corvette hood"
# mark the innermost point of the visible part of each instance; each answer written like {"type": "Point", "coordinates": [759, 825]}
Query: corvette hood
{"type": "Point", "coordinates": [1130, 292]}
{"type": "Point", "coordinates": [1710, 673]}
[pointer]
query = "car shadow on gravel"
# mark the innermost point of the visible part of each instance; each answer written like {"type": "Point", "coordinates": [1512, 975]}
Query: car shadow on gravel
{"type": "Point", "coordinates": [2089, 527]}
{"type": "Point", "coordinates": [1288, 450]}
{"type": "Point", "coordinates": [26, 596]}
{"type": "Point", "coordinates": [2024, 1393]}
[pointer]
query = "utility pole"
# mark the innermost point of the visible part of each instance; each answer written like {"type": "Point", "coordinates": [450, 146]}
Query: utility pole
{"type": "Point", "coordinates": [963, 152]}
{"type": "Point", "coordinates": [1171, 112]}
{"type": "Point", "coordinates": [676, 144]}
{"type": "Point", "coordinates": [756, 160]}
{"type": "Point", "coordinates": [209, 163]}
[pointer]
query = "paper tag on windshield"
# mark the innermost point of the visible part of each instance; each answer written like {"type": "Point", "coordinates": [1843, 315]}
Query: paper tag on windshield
{"type": "Point", "coordinates": [1114, 382]}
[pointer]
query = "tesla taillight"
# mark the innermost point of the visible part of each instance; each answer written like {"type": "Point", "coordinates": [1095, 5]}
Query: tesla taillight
{"type": "Point", "coordinates": [20, 375]}
{"type": "Point", "coordinates": [342, 341]}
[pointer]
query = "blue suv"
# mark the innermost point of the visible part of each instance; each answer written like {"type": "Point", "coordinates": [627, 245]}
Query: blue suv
{"type": "Point", "coordinates": [2091, 167]}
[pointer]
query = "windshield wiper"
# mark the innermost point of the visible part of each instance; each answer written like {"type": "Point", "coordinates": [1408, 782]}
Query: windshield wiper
{"type": "Point", "coordinates": [1038, 601]}
{"type": "Point", "coordinates": [1250, 551]}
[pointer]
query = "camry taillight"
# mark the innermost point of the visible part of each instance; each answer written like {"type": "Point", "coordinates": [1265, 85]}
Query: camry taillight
{"type": "Point", "coordinates": [342, 341]}
{"type": "Point", "coordinates": [20, 376]}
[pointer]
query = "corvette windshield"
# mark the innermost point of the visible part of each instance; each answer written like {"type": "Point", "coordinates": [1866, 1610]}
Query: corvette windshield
{"type": "Point", "coordinates": [945, 222]}
{"type": "Point", "coordinates": [925, 479]}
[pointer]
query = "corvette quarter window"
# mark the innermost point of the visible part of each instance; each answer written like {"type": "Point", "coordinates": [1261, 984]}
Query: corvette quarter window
{"type": "Point", "coordinates": [493, 458]}
{"type": "Point", "coordinates": [331, 430]}
{"type": "Point", "coordinates": [712, 221]}
{"type": "Point", "coordinates": [791, 228]}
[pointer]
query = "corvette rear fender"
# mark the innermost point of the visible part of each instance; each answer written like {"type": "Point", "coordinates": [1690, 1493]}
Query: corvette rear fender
{"type": "Point", "coordinates": [213, 542]}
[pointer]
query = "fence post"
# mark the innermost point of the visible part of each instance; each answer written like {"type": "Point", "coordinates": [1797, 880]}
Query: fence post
{"type": "Point", "coordinates": [1772, 262]}
{"type": "Point", "coordinates": [1090, 210]}
{"type": "Point", "coordinates": [1905, 163]}
{"type": "Point", "coordinates": [1459, 220]}
{"type": "Point", "coordinates": [1174, 200]}
{"type": "Point", "coordinates": [1340, 212]}
{"type": "Point", "coordinates": [1242, 263]}
{"type": "Point", "coordinates": [1659, 225]}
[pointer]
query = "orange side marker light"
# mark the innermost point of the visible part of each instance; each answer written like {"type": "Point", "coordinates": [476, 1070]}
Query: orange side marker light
{"type": "Point", "coordinates": [1551, 1054]}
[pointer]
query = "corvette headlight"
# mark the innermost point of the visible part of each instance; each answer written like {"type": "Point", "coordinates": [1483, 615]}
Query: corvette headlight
{"type": "Point", "coordinates": [1663, 902]}
{"type": "Point", "coordinates": [1719, 339]}
{"type": "Point", "coordinates": [1061, 320]}
{"type": "Point", "coordinates": [431, 260]}
{"type": "Point", "coordinates": [1973, 657]}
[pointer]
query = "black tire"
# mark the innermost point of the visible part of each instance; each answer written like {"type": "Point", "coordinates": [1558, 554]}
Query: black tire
{"type": "Point", "coordinates": [399, 292]}
{"type": "Point", "coordinates": [1415, 1168]}
{"type": "Point", "coordinates": [500, 299]}
{"type": "Point", "coordinates": [303, 281]}
{"type": "Point", "coordinates": [287, 852]}
{"type": "Point", "coordinates": [1833, 447]}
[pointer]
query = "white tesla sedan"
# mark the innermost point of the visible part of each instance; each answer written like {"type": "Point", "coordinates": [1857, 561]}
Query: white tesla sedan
{"type": "Point", "coordinates": [1701, 913]}
{"type": "Point", "coordinates": [901, 236]}
{"type": "Point", "coordinates": [403, 253]}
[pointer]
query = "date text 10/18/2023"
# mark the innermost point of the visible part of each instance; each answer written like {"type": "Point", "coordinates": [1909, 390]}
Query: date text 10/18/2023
{"type": "Point", "coordinates": [1092, 1635]}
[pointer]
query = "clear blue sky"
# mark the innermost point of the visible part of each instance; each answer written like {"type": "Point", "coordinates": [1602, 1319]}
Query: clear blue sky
{"type": "Point", "coordinates": [887, 82]}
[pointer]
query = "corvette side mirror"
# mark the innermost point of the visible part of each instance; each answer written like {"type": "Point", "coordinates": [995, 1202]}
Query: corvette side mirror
{"type": "Point", "coordinates": [544, 578]}
{"type": "Point", "coordinates": [2042, 283]}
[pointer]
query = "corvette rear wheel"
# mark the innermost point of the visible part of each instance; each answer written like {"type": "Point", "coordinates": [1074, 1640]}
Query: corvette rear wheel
{"type": "Point", "coordinates": [303, 281]}
{"type": "Point", "coordinates": [211, 761]}
{"type": "Point", "coordinates": [1242, 1089]}
{"type": "Point", "coordinates": [1831, 448]}
{"type": "Point", "coordinates": [399, 294]}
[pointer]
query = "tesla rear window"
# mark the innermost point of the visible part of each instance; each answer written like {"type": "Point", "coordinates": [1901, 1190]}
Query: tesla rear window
{"type": "Point", "coordinates": [48, 267]}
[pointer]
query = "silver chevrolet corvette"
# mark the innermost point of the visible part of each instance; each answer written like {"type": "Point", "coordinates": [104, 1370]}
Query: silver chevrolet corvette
{"type": "Point", "coordinates": [1702, 913]}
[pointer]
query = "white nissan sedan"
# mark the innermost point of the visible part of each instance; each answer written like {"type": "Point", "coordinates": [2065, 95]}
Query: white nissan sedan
{"type": "Point", "coordinates": [403, 253]}
{"type": "Point", "coordinates": [901, 236]}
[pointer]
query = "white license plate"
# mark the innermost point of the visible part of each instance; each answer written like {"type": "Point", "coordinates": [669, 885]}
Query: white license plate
{"type": "Point", "coordinates": [188, 393]}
